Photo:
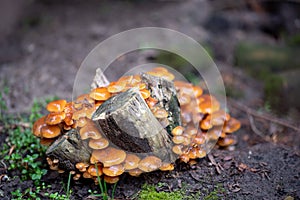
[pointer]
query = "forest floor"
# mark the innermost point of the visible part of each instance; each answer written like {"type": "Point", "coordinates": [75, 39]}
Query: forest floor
{"type": "Point", "coordinates": [41, 58]}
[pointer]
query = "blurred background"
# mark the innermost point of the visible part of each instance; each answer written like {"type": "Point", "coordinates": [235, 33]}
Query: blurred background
{"type": "Point", "coordinates": [255, 44]}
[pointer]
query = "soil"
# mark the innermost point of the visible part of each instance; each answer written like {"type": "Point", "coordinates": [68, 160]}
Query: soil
{"type": "Point", "coordinates": [42, 54]}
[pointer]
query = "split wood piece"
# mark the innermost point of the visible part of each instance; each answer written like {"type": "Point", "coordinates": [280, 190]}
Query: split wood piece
{"type": "Point", "coordinates": [69, 149]}
{"type": "Point", "coordinates": [165, 92]}
{"type": "Point", "coordinates": [129, 124]}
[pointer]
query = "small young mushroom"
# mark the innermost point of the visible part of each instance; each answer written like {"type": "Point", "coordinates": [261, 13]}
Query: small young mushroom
{"type": "Point", "coordinates": [232, 125]}
{"type": "Point", "coordinates": [131, 162]}
{"type": "Point", "coordinates": [109, 156]}
{"type": "Point", "coordinates": [177, 131]}
{"type": "Point", "coordinates": [92, 170]}
{"type": "Point", "coordinates": [227, 141]}
{"type": "Point", "coordinates": [81, 166]}
{"type": "Point", "coordinates": [149, 164]}
{"type": "Point", "coordinates": [76, 177]}
{"type": "Point", "coordinates": [101, 143]}
{"type": "Point", "coordinates": [166, 167]}
{"type": "Point", "coordinates": [184, 158]}
{"type": "Point", "coordinates": [111, 179]}
{"type": "Point", "coordinates": [160, 113]}
{"type": "Point", "coordinates": [145, 93]}
{"type": "Point", "coordinates": [100, 94]}
{"type": "Point", "coordinates": [178, 139]}
{"type": "Point", "coordinates": [114, 170]}
{"type": "Point", "coordinates": [177, 149]}
{"type": "Point", "coordinates": [56, 106]}
{"type": "Point", "coordinates": [135, 172]}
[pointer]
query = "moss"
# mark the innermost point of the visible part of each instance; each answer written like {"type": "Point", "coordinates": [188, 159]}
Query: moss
{"type": "Point", "coordinates": [149, 192]}
{"type": "Point", "coordinates": [216, 193]}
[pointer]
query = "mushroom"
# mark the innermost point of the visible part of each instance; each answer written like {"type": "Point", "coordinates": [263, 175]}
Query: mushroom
{"type": "Point", "coordinates": [145, 93]}
{"type": "Point", "coordinates": [197, 91]}
{"type": "Point", "coordinates": [38, 125]}
{"type": "Point", "coordinates": [227, 141]}
{"type": "Point", "coordinates": [114, 170]}
{"type": "Point", "coordinates": [199, 139]}
{"type": "Point", "coordinates": [101, 143]}
{"type": "Point", "coordinates": [184, 99]}
{"type": "Point", "coordinates": [111, 179]}
{"type": "Point", "coordinates": [125, 79]}
{"type": "Point", "coordinates": [206, 123]}
{"type": "Point", "coordinates": [90, 131]}
{"type": "Point", "coordinates": [100, 94]}
{"type": "Point", "coordinates": [46, 141]}
{"type": "Point", "coordinates": [184, 158]}
{"type": "Point", "coordinates": [177, 149]}
{"type": "Point", "coordinates": [92, 170]}
{"type": "Point", "coordinates": [81, 122]}
{"type": "Point", "coordinates": [109, 156]}
{"type": "Point", "coordinates": [149, 164]}
{"type": "Point", "coordinates": [135, 172]}
{"type": "Point", "coordinates": [56, 106]}
{"type": "Point", "coordinates": [76, 177]}
{"type": "Point", "coordinates": [178, 130]}
{"type": "Point", "coordinates": [160, 113]}
{"type": "Point", "coordinates": [166, 167]}
{"type": "Point", "coordinates": [151, 102]}
{"type": "Point", "coordinates": [208, 104]}
{"type": "Point", "coordinates": [219, 117]}
{"type": "Point", "coordinates": [87, 175]}
{"type": "Point", "coordinates": [115, 87]}
{"type": "Point", "coordinates": [232, 125]}
{"type": "Point", "coordinates": [55, 118]}
{"type": "Point", "coordinates": [50, 131]}
{"type": "Point", "coordinates": [81, 100]}
{"type": "Point", "coordinates": [81, 166]}
{"type": "Point", "coordinates": [178, 139]}
{"type": "Point", "coordinates": [131, 162]}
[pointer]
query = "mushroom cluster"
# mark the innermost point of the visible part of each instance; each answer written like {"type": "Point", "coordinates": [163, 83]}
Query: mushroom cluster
{"type": "Point", "coordinates": [202, 120]}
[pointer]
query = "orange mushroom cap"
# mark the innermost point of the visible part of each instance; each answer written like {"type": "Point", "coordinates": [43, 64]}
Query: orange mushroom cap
{"type": "Point", "coordinates": [145, 93]}
{"type": "Point", "coordinates": [208, 104]}
{"type": "Point", "coordinates": [178, 130]}
{"type": "Point", "coordinates": [92, 170]}
{"type": "Point", "coordinates": [109, 156]}
{"type": "Point", "coordinates": [114, 170]}
{"type": "Point", "coordinates": [101, 143]}
{"type": "Point", "coordinates": [135, 172]}
{"type": "Point", "coordinates": [227, 141]}
{"type": "Point", "coordinates": [55, 118]}
{"type": "Point", "coordinates": [37, 126]}
{"type": "Point", "coordinates": [100, 94]}
{"type": "Point", "coordinates": [56, 106]}
{"type": "Point", "coordinates": [232, 125]}
{"type": "Point", "coordinates": [111, 179]}
{"type": "Point", "coordinates": [131, 162]}
{"type": "Point", "coordinates": [90, 131]}
{"type": "Point", "coordinates": [150, 163]}
{"type": "Point", "coordinates": [166, 167]}
{"type": "Point", "coordinates": [50, 131]}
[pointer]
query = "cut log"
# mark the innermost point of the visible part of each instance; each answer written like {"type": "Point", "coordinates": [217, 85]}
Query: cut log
{"type": "Point", "coordinates": [164, 91]}
{"type": "Point", "coordinates": [129, 124]}
{"type": "Point", "coordinates": [69, 149]}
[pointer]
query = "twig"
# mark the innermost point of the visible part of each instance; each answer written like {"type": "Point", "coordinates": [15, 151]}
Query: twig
{"type": "Point", "coordinates": [270, 118]}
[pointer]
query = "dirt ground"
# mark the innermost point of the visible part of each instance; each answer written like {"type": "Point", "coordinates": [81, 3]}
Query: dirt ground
{"type": "Point", "coordinates": [41, 56]}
